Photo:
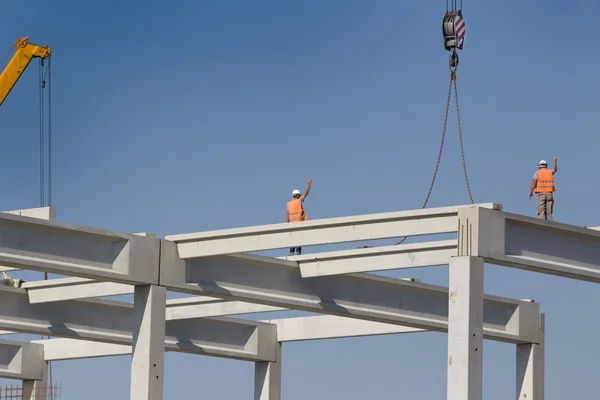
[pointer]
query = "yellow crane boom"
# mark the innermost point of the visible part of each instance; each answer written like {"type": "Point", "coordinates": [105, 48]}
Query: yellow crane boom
{"type": "Point", "coordinates": [20, 60]}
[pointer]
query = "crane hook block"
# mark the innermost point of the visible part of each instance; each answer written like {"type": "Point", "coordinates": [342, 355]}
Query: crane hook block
{"type": "Point", "coordinates": [453, 29]}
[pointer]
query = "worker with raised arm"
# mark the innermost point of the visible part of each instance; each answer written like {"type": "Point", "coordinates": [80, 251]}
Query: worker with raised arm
{"type": "Point", "coordinates": [543, 185]}
{"type": "Point", "coordinates": [296, 213]}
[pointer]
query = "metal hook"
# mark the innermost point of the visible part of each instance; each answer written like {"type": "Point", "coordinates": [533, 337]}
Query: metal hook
{"type": "Point", "coordinates": [453, 59]}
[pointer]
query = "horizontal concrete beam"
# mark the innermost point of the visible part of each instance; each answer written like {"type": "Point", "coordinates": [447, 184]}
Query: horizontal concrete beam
{"type": "Point", "coordinates": [376, 259]}
{"type": "Point", "coordinates": [215, 308]}
{"type": "Point", "coordinates": [46, 213]}
{"type": "Point", "coordinates": [21, 360]}
{"type": "Point", "coordinates": [112, 322]}
{"type": "Point", "coordinates": [530, 244]}
{"type": "Point", "coordinates": [320, 232]}
{"type": "Point", "coordinates": [50, 246]}
{"type": "Point", "coordinates": [62, 289]}
{"type": "Point", "coordinates": [278, 283]}
{"type": "Point", "coordinates": [332, 327]}
{"type": "Point", "coordinates": [288, 330]}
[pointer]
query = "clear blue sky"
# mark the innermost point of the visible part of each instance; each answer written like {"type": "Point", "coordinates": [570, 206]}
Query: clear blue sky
{"type": "Point", "coordinates": [183, 116]}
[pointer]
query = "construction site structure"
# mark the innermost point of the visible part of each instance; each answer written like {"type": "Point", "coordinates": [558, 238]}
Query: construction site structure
{"type": "Point", "coordinates": [226, 278]}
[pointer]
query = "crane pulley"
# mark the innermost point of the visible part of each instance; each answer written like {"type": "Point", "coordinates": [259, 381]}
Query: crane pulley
{"type": "Point", "coordinates": [453, 30]}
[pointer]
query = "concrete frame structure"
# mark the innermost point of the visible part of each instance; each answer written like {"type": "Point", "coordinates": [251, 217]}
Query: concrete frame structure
{"type": "Point", "coordinates": [217, 268]}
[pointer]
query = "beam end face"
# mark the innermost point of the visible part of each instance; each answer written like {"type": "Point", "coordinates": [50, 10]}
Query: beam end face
{"type": "Point", "coordinates": [21, 360]}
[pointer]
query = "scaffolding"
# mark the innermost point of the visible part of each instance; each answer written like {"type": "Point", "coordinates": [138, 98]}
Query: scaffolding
{"type": "Point", "coordinates": [29, 392]}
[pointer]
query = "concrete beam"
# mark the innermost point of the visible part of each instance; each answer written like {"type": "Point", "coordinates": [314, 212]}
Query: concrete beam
{"type": "Point", "coordinates": [50, 246]}
{"type": "Point", "coordinates": [321, 327]}
{"type": "Point", "coordinates": [215, 308]}
{"type": "Point", "coordinates": [62, 289]}
{"type": "Point", "coordinates": [278, 283]}
{"type": "Point", "coordinates": [45, 213]}
{"type": "Point", "coordinates": [412, 255]}
{"type": "Point", "coordinates": [530, 244]}
{"type": "Point", "coordinates": [21, 360]}
{"type": "Point", "coordinates": [320, 232]}
{"type": "Point", "coordinates": [112, 322]}
{"type": "Point", "coordinates": [288, 330]}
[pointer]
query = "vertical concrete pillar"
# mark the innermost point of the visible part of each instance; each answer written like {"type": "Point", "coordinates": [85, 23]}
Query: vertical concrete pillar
{"type": "Point", "coordinates": [37, 390]}
{"type": "Point", "coordinates": [267, 379]}
{"type": "Point", "coordinates": [530, 368]}
{"type": "Point", "coordinates": [147, 363]}
{"type": "Point", "coordinates": [465, 329]}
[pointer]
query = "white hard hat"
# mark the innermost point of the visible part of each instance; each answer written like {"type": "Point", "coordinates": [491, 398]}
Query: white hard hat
{"type": "Point", "coordinates": [542, 162]}
{"type": "Point", "coordinates": [295, 192]}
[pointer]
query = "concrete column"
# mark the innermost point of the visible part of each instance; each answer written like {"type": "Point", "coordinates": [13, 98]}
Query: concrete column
{"type": "Point", "coordinates": [37, 390]}
{"type": "Point", "coordinates": [147, 363]}
{"type": "Point", "coordinates": [465, 329]}
{"type": "Point", "coordinates": [267, 379]}
{"type": "Point", "coordinates": [530, 368]}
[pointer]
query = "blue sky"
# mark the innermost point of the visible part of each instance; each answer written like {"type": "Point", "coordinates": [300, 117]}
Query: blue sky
{"type": "Point", "coordinates": [183, 116]}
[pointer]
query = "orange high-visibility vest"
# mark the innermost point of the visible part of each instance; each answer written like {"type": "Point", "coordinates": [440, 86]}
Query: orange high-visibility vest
{"type": "Point", "coordinates": [296, 211]}
{"type": "Point", "coordinates": [545, 181]}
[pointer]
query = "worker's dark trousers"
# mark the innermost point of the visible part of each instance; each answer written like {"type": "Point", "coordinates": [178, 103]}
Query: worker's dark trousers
{"type": "Point", "coordinates": [297, 249]}
{"type": "Point", "coordinates": [545, 205]}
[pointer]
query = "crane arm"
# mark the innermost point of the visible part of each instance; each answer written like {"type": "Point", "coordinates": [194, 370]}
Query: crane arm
{"type": "Point", "coordinates": [20, 60]}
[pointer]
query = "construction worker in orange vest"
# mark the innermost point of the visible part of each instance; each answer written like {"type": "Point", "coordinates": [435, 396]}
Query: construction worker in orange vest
{"type": "Point", "coordinates": [296, 213]}
{"type": "Point", "coordinates": [543, 184]}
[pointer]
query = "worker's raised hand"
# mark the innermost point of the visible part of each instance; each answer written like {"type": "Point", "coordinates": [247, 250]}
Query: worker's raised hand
{"type": "Point", "coordinates": [308, 181]}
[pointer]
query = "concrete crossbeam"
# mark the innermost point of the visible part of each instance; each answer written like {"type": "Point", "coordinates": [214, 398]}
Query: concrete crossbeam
{"type": "Point", "coordinates": [321, 327]}
{"type": "Point", "coordinates": [49, 246]}
{"type": "Point", "coordinates": [319, 232]}
{"type": "Point", "coordinates": [21, 360]}
{"type": "Point", "coordinates": [530, 244]}
{"type": "Point", "coordinates": [62, 289]}
{"type": "Point", "coordinates": [412, 255]}
{"type": "Point", "coordinates": [288, 330]}
{"type": "Point", "coordinates": [278, 283]}
{"type": "Point", "coordinates": [46, 213]}
{"type": "Point", "coordinates": [216, 308]}
{"type": "Point", "coordinates": [112, 322]}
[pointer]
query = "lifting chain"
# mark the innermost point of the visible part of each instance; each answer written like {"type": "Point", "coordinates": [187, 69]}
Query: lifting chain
{"type": "Point", "coordinates": [440, 152]}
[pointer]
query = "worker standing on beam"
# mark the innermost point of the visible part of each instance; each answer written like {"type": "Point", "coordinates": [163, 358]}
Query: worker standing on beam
{"type": "Point", "coordinates": [543, 184]}
{"type": "Point", "coordinates": [296, 213]}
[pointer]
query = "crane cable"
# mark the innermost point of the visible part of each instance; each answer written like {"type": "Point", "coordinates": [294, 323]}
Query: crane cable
{"type": "Point", "coordinates": [43, 74]}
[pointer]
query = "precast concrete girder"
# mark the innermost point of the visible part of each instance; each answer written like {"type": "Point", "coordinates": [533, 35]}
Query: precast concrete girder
{"type": "Point", "coordinates": [61, 289]}
{"type": "Point", "coordinates": [278, 283]}
{"type": "Point", "coordinates": [50, 246]}
{"type": "Point", "coordinates": [414, 255]}
{"type": "Point", "coordinates": [294, 329]}
{"type": "Point", "coordinates": [530, 244]}
{"type": "Point", "coordinates": [112, 322]}
{"type": "Point", "coordinates": [322, 231]}
{"type": "Point", "coordinates": [21, 360]}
